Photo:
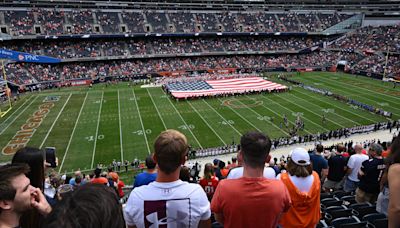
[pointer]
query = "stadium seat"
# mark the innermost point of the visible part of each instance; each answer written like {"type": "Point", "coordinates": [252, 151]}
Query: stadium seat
{"type": "Point", "coordinates": [380, 223]}
{"type": "Point", "coordinates": [372, 217]}
{"type": "Point", "coordinates": [331, 202]}
{"type": "Point", "coordinates": [340, 221]}
{"type": "Point", "coordinates": [348, 200]}
{"type": "Point", "coordinates": [358, 205]}
{"type": "Point", "coordinates": [326, 195]}
{"type": "Point", "coordinates": [362, 224]}
{"type": "Point", "coordinates": [362, 211]}
{"type": "Point", "coordinates": [340, 194]}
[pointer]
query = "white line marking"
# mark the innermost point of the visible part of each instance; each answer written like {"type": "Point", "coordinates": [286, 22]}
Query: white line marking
{"type": "Point", "coordinates": [243, 117]}
{"type": "Point", "coordinates": [158, 112]}
{"type": "Point", "coordinates": [16, 111]}
{"type": "Point", "coordinates": [212, 129]}
{"type": "Point", "coordinates": [19, 114]}
{"type": "Point", "coordinates": [284, 108]}
{"type": "Point", "coordinates": [120, 130]}
{"type": "Point", "coordinates": [141, 122]}
{"type": "Point", "coordinates": [55, 121]}
{"type": "Point", "coordinates": [273, 124]}
{"type": "Point", "coordinates": [240, 134]}
{"type": "Point", "coordinates": [317, 98]}
{"type": "Point", "coordinates": [97, 130]}
{"type": "Point", "coordinates": [195, 138]}
{"type": "Point", "coordinates": [312, 112]}
{"type": "Point", "coordinates": [72, 134]}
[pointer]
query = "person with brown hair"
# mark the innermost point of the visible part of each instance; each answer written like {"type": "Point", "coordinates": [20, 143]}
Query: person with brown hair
{"type": "Point", "coordinates": [18, 196]}
{"type": "Point", "coordinates": [252, 200]}
{"type": "Point", "coordinates": [209, 182]}
{"type": "Point", "coordinates": [90, 206]}
{"type": "Point", "coordinates": [168, 200]}
{"type": "Point", "coordinates": [35, 159]}
{"type": "Point", "coordinates": [304, 188]}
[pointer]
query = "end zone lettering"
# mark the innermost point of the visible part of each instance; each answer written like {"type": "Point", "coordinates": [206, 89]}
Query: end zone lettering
{"type": "Point", "coordinates": [22, 137]}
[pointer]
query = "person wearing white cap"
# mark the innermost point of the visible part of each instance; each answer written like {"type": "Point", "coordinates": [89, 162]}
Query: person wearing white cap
{"type": "Point", "coordinates": [304, 187]}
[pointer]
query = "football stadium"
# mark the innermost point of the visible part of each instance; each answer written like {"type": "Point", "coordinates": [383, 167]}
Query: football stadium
{"type": "Point", "coordinates": [198, 113]}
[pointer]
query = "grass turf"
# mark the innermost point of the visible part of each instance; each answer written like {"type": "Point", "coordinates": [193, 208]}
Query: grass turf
{"type": "Point", "coordinates": [97, 125]}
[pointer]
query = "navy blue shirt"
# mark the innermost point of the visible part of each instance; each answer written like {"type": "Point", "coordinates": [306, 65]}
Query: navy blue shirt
{"type": "Point", "coordinates": [373, 171]}
{"type": "Point", "coordinates": [336, 165]}
{"type": "Point", "coordinates": [318, 162]}
{"type": "Point", "coordinates": [144, 179]}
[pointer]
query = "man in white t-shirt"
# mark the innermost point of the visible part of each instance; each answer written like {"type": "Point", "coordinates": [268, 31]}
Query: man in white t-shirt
{"type": "Point", "coordinates": [353, 166]}
{"type": "Point", "coordinates": [168, 201]}
{"type": "Point", "coordinates": [237, 172]}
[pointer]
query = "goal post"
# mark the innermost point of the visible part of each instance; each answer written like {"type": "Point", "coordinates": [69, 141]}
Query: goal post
{"type": "Point", "coordinates": [5, 93]}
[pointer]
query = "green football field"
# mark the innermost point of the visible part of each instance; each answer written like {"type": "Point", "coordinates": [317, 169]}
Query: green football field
{"type": "Point", "coordinates": [97, 125]}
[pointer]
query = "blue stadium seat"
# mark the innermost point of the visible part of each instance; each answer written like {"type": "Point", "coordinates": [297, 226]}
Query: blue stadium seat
{"type": "Point", "coordinates": [372, 217]}
{"type": "Point", "coordinates": [380, 223]}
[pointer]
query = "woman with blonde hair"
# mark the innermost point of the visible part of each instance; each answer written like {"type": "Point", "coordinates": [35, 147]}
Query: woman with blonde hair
{"type": "Point", "coordinates": [304, 188]}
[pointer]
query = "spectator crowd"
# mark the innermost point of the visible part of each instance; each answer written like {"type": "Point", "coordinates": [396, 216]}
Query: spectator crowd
{"type": "Point", "coordinates": [348, 183]}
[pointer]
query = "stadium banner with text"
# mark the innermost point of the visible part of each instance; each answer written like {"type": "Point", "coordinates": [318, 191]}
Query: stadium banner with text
{"type": "Point", "coordinates": [26, 57]}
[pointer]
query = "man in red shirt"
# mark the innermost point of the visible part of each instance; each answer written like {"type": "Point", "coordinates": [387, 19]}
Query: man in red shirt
{"type": "Point", "coordinates": [251, 201]}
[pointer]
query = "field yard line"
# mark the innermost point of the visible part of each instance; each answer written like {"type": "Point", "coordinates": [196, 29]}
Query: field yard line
{"type": "Point", "coordinates": [242, 117]}
{"type": "Point", "coordinates": [72, 134]}
{"type": "Point", "coordinates": [212, 129]}
{"type": "Point", "coordinates": [355, 95]}
{"type": "Point", "coordinates": [16, 111]}
{"type": "Point", "coordinates": [307, 118]}
{"type": "Point", "coordinates": [2, 131]}
{"type": "Point", "coordinates": [120, 130]}
{"type": "Point", "coordinates": [333, 105]}
{"type": "Point", "coordinates": [141, 122]}
{"type": "Point", "coordinates": [284, 108]}
{"type": "Point", "coordinates": [158, 112]}
{"type": "Point", "coordinates": [54, 122]}
{"type": "Point", "coordinates": [273, 124]}
{"type": "Point", "coordinates": [360, 88]}
{"type": "Point", "coordinates": [281, 116]}
{"type": "Point", "coordinates": [97, 130]}
{"type": "Point", "coordinates": [234, 128]}
{"type": "Point", "coordinates": [184, 122]}
{"type": "Point", "coordinates": [315, 113]}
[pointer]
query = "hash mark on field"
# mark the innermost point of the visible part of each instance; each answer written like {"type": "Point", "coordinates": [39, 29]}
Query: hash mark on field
{"type": "Point", "coordinates": [72, 134]}
{"type": "Point", "coordinates": [54, 122]}
{"type": "Point", "coordinates": [18, 114]}
{"type": "Point", "coordinates": [211, 128]}
{"type": "Point", "coordinates": [97, 129]}
{"type": "Point", "coordinates": [141, 122]}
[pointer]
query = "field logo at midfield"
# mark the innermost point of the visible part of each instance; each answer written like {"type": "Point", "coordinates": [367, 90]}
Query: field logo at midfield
{"type": "Point", "coordinates": [22, 137]}
{"type": "Point", "coordinates": [242, 103]}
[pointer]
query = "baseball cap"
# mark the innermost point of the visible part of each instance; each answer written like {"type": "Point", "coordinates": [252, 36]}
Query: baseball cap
{"type": "Point", "coordinates": [300, 156]}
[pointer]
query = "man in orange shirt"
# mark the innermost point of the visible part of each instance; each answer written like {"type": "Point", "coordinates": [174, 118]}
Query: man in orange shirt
{"type": "Point", "coordinates": [251, 201]}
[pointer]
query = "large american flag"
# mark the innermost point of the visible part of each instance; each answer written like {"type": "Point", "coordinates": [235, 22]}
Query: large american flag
{"type": "Point", "coordinates": [212, 87]}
